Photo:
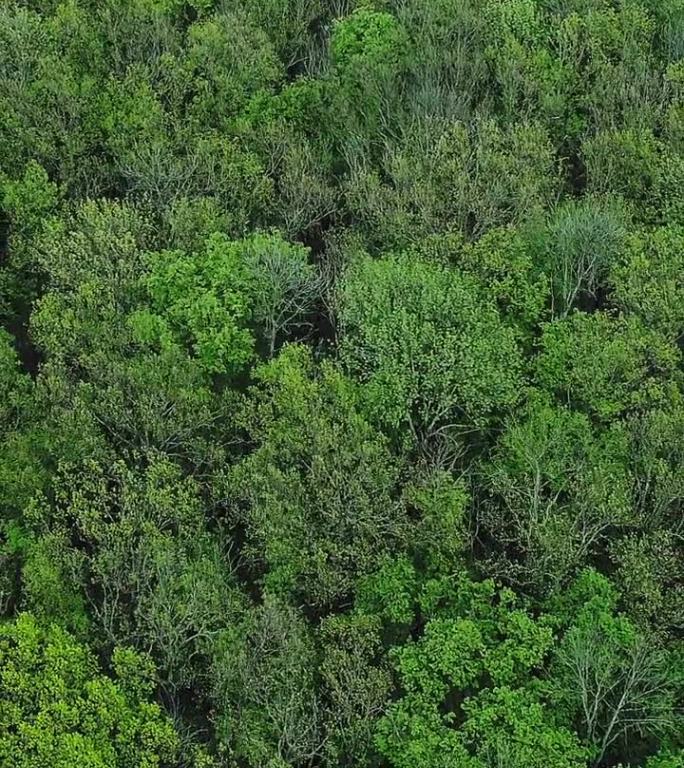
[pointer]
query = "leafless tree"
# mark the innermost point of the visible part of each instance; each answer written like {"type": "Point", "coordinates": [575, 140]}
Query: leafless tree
{"type": "Point", "coordinates": [585, 238]}
{"type": "Point", "coordinates": [618, 696]}
{"type": "Point", "coordinates": [286, 288]}
{"type": "Point", "coordinates": [270, 671]}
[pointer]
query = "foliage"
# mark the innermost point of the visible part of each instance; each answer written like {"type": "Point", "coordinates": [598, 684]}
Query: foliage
{"type": "Point", "coordinates": [144, 562]}
{"type": "Point", "coordinates": [265, 669]}
{"type": "Point", "coordinates": [607, 365]}
{"type": "Point", "coordinates": [341, 418]}
{"type": "Point", "coordinates": [199, 300]}
{"type": "Point", "coordinates": [317, 493]}
{"type": "Point", "coordinates": [621, 684]}
{"type": "Point", "coordinates": [432, 349]}
{"type": "Point", "coordinates": [480, 638]}
{"type": "Point", "coordinates": [585, 240]}
{"type": "Point", "coordinates": [647, 279]}
{"type": "Point", "coordinates": [559, 487]}
{"type": "Point", "coordinates": [61, 708]}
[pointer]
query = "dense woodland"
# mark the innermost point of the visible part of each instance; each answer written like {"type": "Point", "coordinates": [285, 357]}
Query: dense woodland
{"type": "Point", "coordinates": [342, 417]}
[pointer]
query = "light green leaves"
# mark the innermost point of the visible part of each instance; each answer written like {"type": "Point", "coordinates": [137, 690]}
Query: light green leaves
{"type": "Point", "coordinates": [469, 695]}
{"type": "Point", "coordinates": [201, 297]}
{"type": "Point", "coordinates": [432, 351]}
{"type": "Point", "coordinates": [217, 300]}
{"type": "Point", "coordinates": [60, 710]}
{"type": "Point", "coordinates": [607, 366]}
{"type": "Point", "coordinates": [649, 280]}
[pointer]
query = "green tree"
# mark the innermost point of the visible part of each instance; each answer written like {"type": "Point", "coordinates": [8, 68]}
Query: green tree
{"type": "Point", "coordinates": [61, 709]}
{"type": "Point", "coordinates": [616, 680]}
{"type": "Point", "coordinates": [475, 664]}
{"type": "Point", "coordinates": [467, 177]}
{"type": "Point", "coordinates": [356, 685]}
{"type": "Point", "coordinates": [104, 365]}
{"type": "Point", "coordinates": [264, 686]}
{"type": "Point", "coordinates": [284, 287]}
{"type": "Point", "coordinates": [25, 203]}
{"type": "Point", "coordinates": [646, 281]}
{"type": "Point", "coordinates": [558, 489]}
{"type": "Point", "coordinates": [318, 493]}
{"type": "Point", "coordinates": [607, 366]}
{"type": "Point", "coordinates": [230, 58]}
{"type": "Point", "coordinates": [585, 239]}
{"type": "Point", "coordinates": [200, 301]}
{"type": "Point", "coordinates": [369, 51]}
{"type": "Point", "coordinates": [506, 262]}
{"type": "Point", "coordinates": [649, 558]}
{"type": "Point", "coordinates": [434, 355]}
{"type": "Point", "coordinates": [136, 547]}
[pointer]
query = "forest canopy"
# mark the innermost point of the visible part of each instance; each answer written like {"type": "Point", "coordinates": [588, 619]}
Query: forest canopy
{"type": "Point", "coordinates": [342, 415]}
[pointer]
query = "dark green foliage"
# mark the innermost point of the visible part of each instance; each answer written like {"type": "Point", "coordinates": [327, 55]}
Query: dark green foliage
{"type": "Point", "coordinates": [356, 682]}
{"type": "Point", "coordinates": [263, 679]}
{"type": "Point", "coordinates": [135, 544]}
{"type": "Point", "coordinates": [341, 417]}
{"type": "Point", "coordinates": [318, 493]}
